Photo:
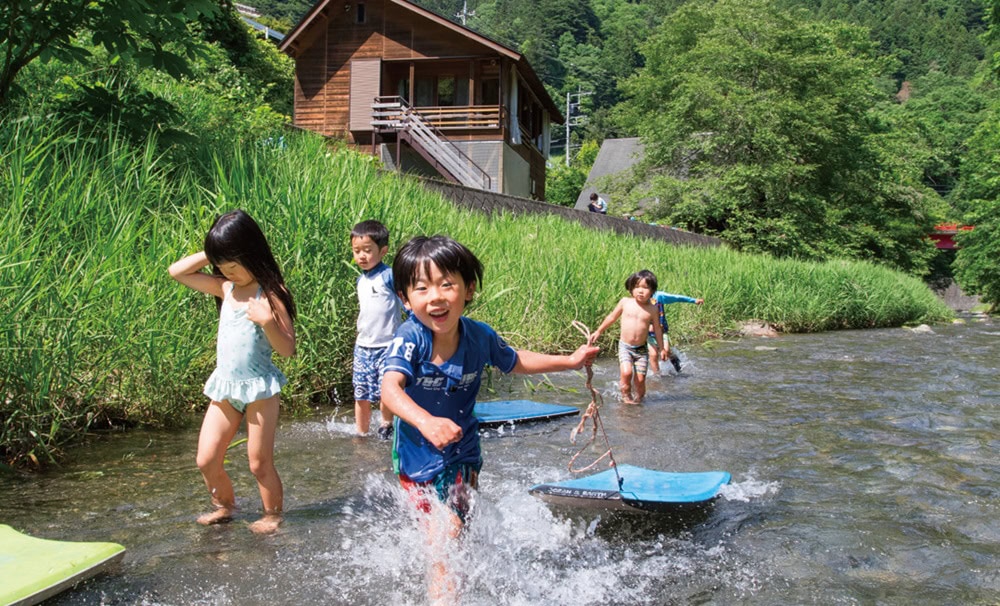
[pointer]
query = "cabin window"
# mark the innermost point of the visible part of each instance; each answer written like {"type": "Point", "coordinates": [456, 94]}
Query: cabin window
{"type": "Point", "coordinates": [403, 89]}
{"type": "Point", "coordinates": [446, 90]}
{"type": "Point", "coordinates": [490, 91]}
{"type": "Point", "coordinates": [359, 14]}
{"type": "Point", "coordinates": [424, 92]}
{"type": "Point", "coordinates": [461, 91]}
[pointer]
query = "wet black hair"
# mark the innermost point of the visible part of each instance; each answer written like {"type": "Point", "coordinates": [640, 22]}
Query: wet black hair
{"type": "Point", "coordinates": [414, 260]}
{"type": "Point", "coordinates": [372, 229]}
{"type": "Point", "coordinates": [235, 237]}
{"type": "Point", "coordinates": [643, 274]}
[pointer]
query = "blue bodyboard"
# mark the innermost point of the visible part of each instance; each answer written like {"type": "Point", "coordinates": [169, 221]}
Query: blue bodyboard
{"type": "Point", "coordinates": [500, 412]}
{"type": "Point", "coordinates": [642, 489]}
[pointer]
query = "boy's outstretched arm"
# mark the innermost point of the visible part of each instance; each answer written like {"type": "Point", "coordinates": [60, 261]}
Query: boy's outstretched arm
{"type": "Point", "coordinates": [439, 431]}
{"type": "Point", "coordinates": [530, 362]}
{"type": "Point", "coordinates": [608, 321]}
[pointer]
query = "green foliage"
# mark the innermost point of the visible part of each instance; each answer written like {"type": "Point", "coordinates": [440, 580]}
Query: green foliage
{"type": "Point", "coordinates": [760, 128]}
{"type": "Point", "coordinates": [939, 115]}
{"type": "Point", "coordinates": [563, 183]}
{"type": "Point", "coordinates": [977, 264]}
{"type": "Point", "coordinates": [924, 35]}
{"type": "Point", "coordinates": [100, 97]}
{"type": "Point", "coordinates": [290, 11]}
{"type": "Point", "coordinates": [258, 60]}
{"type": "Point", "coordinates": [152, 33]}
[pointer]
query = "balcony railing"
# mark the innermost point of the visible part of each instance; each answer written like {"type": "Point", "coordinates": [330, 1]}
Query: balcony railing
{"type": "Point", "coordinates": [451, 117]}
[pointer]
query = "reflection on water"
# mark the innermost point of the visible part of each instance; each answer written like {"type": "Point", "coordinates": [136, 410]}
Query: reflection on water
{"type": "Point", "coordinates": [864, 467]}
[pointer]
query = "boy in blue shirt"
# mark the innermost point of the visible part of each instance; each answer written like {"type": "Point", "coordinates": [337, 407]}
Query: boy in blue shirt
{"type": "Point", "coordinates": [380, 312]}
{"type": "Point", "coordinates": [432, 376]}
{"type": "Point", "coordinates": [662, 299]}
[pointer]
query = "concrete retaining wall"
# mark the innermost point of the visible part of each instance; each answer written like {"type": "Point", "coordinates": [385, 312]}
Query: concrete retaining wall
{"type": "Point", "coordinates": [491, 202]}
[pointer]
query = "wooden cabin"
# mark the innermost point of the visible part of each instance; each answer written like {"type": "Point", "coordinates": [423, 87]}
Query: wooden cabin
{"type": "Point", "coordinates": [424, 94]}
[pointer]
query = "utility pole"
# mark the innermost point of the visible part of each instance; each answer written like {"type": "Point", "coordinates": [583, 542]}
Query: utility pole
{"type": "Point", "coordinates": [573, 107]}
{"type": "Point", "coordinates": [463, 14]}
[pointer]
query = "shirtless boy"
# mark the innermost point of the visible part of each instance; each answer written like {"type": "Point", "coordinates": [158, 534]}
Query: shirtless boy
{"type": "Point", "coordinates": [637, 313]}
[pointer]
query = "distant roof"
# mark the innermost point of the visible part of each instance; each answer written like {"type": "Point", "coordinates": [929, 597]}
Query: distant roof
{"type": "Point", "coordinates": [615, 156]}
{"type": "Point", "coordinates": [273, 34]}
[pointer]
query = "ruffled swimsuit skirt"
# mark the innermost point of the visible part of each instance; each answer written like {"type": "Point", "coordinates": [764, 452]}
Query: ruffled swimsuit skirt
{"type": "Point", "coordinates": [244, 372]}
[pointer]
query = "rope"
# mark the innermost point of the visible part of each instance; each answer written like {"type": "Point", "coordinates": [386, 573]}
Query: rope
{"type": "Point", "coordinates": [592, 414]}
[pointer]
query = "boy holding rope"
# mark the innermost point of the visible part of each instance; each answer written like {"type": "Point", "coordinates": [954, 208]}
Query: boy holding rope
{"type": "Point", "coordinates": [432, 375]}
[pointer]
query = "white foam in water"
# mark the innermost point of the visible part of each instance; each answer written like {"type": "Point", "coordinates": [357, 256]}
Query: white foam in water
{"type": "Point", "coordinates": [345, 425]}
{"type": "Point", "coordinates": [748, 489]}
{"type": "Point", "coordinates": [513, 551]}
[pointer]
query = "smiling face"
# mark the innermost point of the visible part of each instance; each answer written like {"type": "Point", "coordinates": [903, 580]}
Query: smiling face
{"type": "Point", "coordinates": [438, 300]}
{"type": "Point", "coordinates": [641, 292]}
{"type": "Point", "coordinates": [367, 254]}
{"type": "Point", "coordinates": [236, 273]}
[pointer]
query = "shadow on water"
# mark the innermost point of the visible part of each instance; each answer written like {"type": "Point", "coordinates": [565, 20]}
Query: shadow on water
{"type": "Point", "coordinates": [617, 526]}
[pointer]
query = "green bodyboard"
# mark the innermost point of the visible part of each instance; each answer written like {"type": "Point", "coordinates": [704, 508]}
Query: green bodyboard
{"type": "Point", "coordinates": [32, 570]}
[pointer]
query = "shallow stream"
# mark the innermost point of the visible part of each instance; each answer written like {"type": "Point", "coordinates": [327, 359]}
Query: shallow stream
{"type": "Point", "coordinates": [865, 464]}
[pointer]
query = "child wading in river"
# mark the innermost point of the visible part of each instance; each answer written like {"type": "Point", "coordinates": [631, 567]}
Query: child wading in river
{"type": "Point", "coordinates": [637, 313]}
{"type": "Point", "coordinates": [661, 300]}
{"type": "Point", "coordinates": [255, 316]}
{"type": "Point", "coordinates": [432, 376]}
{"type": "Point", "coordinates": [380, 312]}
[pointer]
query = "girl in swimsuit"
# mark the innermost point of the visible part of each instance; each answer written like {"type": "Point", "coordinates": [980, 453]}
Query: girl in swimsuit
{"type": "Point", "coordinates": [255, 317]}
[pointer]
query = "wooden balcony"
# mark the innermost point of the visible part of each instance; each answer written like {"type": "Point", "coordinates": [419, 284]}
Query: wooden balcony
{"type": "Point", "coordinates": [454, 117]}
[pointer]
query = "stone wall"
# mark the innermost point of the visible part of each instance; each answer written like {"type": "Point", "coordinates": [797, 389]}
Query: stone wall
{"type": "Point", "coordinates": [491, 202]}
{"type": "Point", "coordinates": [954, 298]}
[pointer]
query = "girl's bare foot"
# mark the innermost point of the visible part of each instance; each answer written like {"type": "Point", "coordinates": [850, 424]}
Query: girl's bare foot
{"type": "Point", "coordinates": [267, 524]}
{"type": "Point", "coordinates": [221, 515]}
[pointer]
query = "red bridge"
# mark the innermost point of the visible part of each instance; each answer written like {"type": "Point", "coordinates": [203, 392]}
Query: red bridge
{"type": "Point", "coordinates": [944, 235]}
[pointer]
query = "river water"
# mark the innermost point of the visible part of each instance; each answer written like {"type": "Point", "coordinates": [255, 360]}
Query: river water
{"type": "Point", "coordinates": [865, 471]}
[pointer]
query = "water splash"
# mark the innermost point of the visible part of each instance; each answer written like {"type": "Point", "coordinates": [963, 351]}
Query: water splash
{"type": "Point", "coordinates": [749, 489]}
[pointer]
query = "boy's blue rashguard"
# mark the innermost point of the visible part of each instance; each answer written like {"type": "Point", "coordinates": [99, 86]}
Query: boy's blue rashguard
{"type": "Point", "coordinates": [446, 391]}
{"type": "Point", "coordinates": [661, 298]}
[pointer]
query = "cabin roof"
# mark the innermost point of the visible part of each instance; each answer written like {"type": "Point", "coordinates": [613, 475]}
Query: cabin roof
{"type": "Point", "coordinates": [524, 68]}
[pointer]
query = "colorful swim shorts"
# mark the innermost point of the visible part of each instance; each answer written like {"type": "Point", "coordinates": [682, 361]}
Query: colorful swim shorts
{"type": "Point", "coordinates": [636, 356]}
{"type": "Point", "coordinates": [453, 487]}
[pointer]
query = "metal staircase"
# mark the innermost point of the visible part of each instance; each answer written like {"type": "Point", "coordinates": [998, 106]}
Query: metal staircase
{"type": "Point", "coordinates": [394, 114]}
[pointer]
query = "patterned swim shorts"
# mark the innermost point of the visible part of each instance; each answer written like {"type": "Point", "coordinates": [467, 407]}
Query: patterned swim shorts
{"type": "Point", "coordinates": [369, 364]}
{"type": "Point", "coordinates": [453, 487]}
{"type": "Point", "coordinates": [636, 356]}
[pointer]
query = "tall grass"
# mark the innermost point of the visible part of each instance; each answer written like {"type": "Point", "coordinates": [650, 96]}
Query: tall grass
{"type": "Point", "coordinates": [93, 331]}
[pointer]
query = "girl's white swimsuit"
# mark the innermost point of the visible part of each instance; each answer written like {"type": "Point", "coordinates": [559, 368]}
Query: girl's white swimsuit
{"type": "Point", "coordinates": [244, 371]}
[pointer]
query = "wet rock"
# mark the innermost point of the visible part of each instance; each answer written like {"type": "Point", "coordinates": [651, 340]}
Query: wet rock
{"type": "Point", "coordinates": [923, 329]}
{"type": "Point", "coordinates": [757, 328]}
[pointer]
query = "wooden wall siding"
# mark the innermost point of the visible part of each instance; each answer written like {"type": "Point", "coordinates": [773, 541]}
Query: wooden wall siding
{"type": "Point", "coordinates": [310, 71]}
{"type": "Point", "coordinates": [411, 37]}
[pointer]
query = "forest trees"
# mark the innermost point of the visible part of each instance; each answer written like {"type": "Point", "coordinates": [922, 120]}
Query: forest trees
{"type": "Point", "coordinates": [760, 128]}
{"type": "Point", "coordinates": [151, 32]}
{"type": "Point", "coordinates": [977, 264]}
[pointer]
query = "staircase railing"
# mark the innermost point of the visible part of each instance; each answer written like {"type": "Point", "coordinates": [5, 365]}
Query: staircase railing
{"type": "Point", "coordinates": [394, 114]}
